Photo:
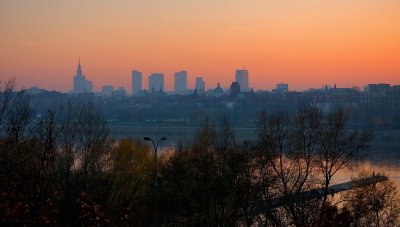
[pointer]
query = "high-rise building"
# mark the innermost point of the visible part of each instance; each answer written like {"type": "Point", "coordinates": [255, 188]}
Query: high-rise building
{"type": "Point", "coordinates": [242, 77]}
{"type": "Point", "coordinates": [200, 84]}
{"type": "Point", "coordinates": [81, 85]}
{"type": "Point", "coordinates": [156, 82]}
{"type": "Point", "coordinates": [136, 82]}
{"type": "Point", "coordinates": [180, 82]}
{"type": "Point", "coordinates": [234, 89]}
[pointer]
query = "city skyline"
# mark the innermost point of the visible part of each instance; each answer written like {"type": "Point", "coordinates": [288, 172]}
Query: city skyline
{"type": "Point", "coordinates": [138, 84]}
{"type": "Point", "coordinates": [180, 80]}
{"type": "Point", "coordinates": [305, 44]}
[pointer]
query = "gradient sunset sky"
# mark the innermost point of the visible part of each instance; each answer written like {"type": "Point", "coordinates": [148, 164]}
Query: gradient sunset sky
{"type": "Point", "coordinates": [306, 43]}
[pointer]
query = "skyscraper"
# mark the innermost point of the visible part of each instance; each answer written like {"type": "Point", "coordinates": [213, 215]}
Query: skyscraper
{"type": "Point", "coordinates": [200, 84]}
{"type": "Point", "coordinates": [136, 82]}
{"type": "Point", "coordinates": [242, 77]}
{"type": "Point", "coordinates": [81, 85]}
{"type": "Point", "coordinates": [156, 82]}
{"type": "Point", "coordinates": [180, 82]}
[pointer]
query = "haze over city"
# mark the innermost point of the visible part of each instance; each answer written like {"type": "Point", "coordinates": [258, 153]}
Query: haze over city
{"type": "Point", "coordinates": [303, 43]}
{"type": "Point", "coordinates": [200, 113]}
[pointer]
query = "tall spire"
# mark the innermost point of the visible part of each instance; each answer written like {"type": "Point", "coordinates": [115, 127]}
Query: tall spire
{"type": "Point", "coordinates": [79, 70]}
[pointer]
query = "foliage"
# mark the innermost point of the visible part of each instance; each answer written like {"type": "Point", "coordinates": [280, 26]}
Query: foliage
{"type": "Point", "coordinates": [65, 169]}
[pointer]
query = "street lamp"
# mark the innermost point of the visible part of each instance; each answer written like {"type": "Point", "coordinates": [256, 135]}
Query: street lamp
{"type": "Point", "coordinates": [155, 146]}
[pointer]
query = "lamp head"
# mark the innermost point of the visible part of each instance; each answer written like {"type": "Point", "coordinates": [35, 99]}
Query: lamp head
{"type": "Point", "coordinates": [146, 138]}
{"type": "Point", "coordinates": [163, 138]}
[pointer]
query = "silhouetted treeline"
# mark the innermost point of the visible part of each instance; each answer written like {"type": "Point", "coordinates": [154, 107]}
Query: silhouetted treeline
{"type": "Point", "coordinates": [66, 170]}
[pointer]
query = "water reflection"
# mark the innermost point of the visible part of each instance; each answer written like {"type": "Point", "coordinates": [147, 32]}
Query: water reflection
{"type": "Point", "coordinates": [389, 167]}
{"type": "Point", "coordinates": [382, 157]}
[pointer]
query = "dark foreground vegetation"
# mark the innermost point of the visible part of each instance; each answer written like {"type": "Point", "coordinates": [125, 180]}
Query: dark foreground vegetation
{"type": "Point", "coordinates": [66, 170]}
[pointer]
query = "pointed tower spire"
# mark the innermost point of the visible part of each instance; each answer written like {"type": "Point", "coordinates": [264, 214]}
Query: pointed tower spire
{"type": "Point", "coordinates": [79, 70]}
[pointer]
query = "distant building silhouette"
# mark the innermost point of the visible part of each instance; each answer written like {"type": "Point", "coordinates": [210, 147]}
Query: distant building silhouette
{"type": "Point", "coordinates": [218, 91]}
{"type": "Point", "coordinates": [200, 85]}
{"type": "Point", "coordinates": [81, 85]}
{"type": "Point", "coordinates": [234, 89]}
{"type": "Point", "coordinates": [242, 77]}
{"type": "Point", "coordinates": [107, 90]}
{"type": "Point", "coordinates": [378, 88]}
{"type": "Point", "coordinates": [136, 82]}
{"type": "Point", "coordinates": [281, 88]}
{"type": "Point", "coordinates": [120, 92]}
{"type": "Point", "coordinates": [156, 82]}
{"type": "Point", "coordinates": [35, 90]}
{"type": "Point", "coordinates": [180, 79]}
{"type": "Point", "coordinates": [195, 93]}
{"type": "Point", "coordinates": [326, 88]}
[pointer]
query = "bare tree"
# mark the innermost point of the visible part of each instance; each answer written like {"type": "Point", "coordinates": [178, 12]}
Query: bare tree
{"type": "Point", "coordinates": [339, 145]}
{"type": "Point", "coordinates": [303, 150]}
{"type": "Point", "coordinates": [375, 204]}
{"type": "Point", "coordinates": [6, 96]}
{"type": "Point", "coordinates": [291, 167]}
{"type": "Point", "coordinates": [18, 116]}
{"type": "Point", "coordinates": [93, 140]}
{"type": "Point", "coordinates": [67, 123]}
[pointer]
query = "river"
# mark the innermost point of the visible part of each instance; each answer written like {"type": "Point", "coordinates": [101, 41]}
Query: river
{"type": "Point", "coordinates": [383, 155]}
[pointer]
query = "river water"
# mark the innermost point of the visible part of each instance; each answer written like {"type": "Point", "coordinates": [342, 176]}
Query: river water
{"type": "Point", "coordinates": [383, 155]}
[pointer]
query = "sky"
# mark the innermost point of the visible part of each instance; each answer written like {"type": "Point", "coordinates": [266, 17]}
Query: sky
{"type": "Point", "coordinates": [305, 43]}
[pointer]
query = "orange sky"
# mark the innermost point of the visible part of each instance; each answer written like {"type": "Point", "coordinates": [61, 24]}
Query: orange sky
{"type": "Point", "coordinates": [305, 43]}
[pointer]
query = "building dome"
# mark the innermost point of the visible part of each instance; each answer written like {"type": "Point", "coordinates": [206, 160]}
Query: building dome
{"type": "Point", "coordinates": [218, 90]}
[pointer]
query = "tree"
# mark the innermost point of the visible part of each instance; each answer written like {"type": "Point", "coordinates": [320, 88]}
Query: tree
{"type": "Point", "coordinates": [93, 142]}
{"type": "Point", "coordinates": [304, 149]}
{"type": "Point", "coordinates": [129, 173]}
{"type": "Point", "coordinates": [290, 144]}
{"type": "Point", "coordinates": [375, 204]}
{"type": "Point", "coordinates": [6, 99]}
{"type": "Point", "coordinates": [339, 145]}
{"type": "Point", "coordinates": [202, 183]}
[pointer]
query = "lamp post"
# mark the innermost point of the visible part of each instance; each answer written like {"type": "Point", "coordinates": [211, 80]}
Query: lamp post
{"type": "Point", "coordinates": [155, 146]}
